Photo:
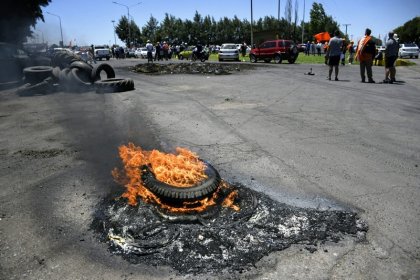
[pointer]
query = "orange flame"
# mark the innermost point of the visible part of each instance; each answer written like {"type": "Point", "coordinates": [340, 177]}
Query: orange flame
{"type": "Point", "coordinates": [181, 170]}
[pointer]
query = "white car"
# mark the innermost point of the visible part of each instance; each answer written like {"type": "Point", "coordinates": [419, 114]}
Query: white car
{"type": "Point", "coordinates": [228, 51]}
{"type": "Point", "coordinates": [410, 50]}
{"type": "Point", "coordinates": [142, 52]}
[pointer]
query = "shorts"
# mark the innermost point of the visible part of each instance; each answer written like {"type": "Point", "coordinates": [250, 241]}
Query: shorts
{"type": "Point", "coordinates": [389, 61]}
{"type": "Point", "coordinates": [334, 60]}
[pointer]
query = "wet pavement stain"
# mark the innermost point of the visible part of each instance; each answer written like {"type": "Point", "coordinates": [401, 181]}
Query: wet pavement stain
{"type": "Point", "coordinates": [220, 240]}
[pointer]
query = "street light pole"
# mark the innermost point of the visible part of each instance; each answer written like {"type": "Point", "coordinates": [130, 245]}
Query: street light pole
{"type": "Point", "coordinates": [252, 34]}
{"type": "Point", "coordinates": [128, 14]}
{"type": "Point", "coordinates": [61, 30]}
{"type": "Point", "coordinates": [346, 24]}
{"type": "Point", "coordinates": [115, 38]}
{"type": "Point", "coordinates": [303, 21]}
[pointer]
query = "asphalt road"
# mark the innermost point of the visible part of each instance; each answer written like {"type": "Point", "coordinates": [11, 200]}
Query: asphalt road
{"type": "Point", "coordinates": [299, 138]}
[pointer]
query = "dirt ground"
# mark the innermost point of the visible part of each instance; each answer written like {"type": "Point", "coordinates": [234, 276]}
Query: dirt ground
{"type": "Point", "coordinates": [299, 139]}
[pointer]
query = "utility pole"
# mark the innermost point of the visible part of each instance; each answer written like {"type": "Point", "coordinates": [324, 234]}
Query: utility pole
{"type": "Point", "coordinates": [252, 22]}
{"type": "Point", "coordinates": [346, 24]}
{"type": "Point", "coordinates": [303, 20]}
{"type": "Point", "coordinates": [115, 38]}
{"type": "Point", "coordinates": [278, 18]}
{"type": "Point", "coordinates": [61, 30]}
{"type": "Point", "coordinates": [128, 14]}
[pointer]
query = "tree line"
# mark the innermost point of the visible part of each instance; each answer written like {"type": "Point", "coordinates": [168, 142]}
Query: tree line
{"type": "Point", "coordinates": [208, 30]}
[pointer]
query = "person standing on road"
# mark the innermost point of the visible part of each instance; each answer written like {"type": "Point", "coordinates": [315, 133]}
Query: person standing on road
{"type": "Point", "coordinates": [350, 47]}
{"type": "Point", "coordinates": [334, 53]}
{"type": "Point", "coordinates": [149, 48]}
{"type": "Point", "coordinates": [243, 50]}
{"type": "Point", "coordinates": [365, 53]}
{"type": "Point", "coordinates": [391, 54]}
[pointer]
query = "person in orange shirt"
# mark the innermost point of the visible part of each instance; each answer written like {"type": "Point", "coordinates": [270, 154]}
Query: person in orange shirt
{"type": "Point", "coordinates": [365, 53]}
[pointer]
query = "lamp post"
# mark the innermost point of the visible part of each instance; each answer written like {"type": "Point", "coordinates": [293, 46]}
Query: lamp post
{"type": "Point", "coordinates": [115, 38]}
{"type": "Point", "coordinates": [61, 30]}
{"type": "Point", "coordinates": [252, 33]}
{"type": "Point", "coordinates": [128, 18]}
{"type": "Point", "coordinates": [346, 24]}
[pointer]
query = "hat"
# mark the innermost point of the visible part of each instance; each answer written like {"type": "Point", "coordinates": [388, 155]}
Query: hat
{"type": "Point", "coordinates": [148, 41]}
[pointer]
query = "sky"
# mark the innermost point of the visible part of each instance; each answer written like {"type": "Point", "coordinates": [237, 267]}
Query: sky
{"type": "Point", "coordinates": [86, 22]}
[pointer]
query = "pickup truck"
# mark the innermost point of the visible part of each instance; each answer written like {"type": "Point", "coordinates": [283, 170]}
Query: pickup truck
{"type": "Point", "coordinates": [102, 52]}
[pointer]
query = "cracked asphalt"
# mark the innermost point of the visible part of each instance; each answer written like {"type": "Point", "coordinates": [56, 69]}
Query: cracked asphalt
{"type": "Point", "coordinates": [300, 139]}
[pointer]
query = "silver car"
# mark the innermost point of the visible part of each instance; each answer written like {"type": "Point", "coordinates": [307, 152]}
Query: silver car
{"type": "Point", "coordinates": [410, 50]}
{"type": "Point", "coordinates": [228, 51]}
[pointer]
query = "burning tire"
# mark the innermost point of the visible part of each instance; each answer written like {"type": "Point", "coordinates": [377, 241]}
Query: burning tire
{"type": "Point", "coordinates": [176, 194]}
{"type": "Point", "coordinates": [36, 74]}
{"type": "Point", "coordinates": [96, 72]}
{"type": "Point", "coordinates": [114, 85]}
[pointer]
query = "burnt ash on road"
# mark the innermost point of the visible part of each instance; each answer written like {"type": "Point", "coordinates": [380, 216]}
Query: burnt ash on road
{"type": "Point", "coordinates": [220, 239]}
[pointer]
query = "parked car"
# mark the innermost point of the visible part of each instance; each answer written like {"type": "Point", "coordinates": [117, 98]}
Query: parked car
{"type": "Point", "coordinates": [277, 50]}
{"type": "Point", "coordinates": [102, 52]}
{"type": "Point", "coordinates": [186, 54]}
{"type": "Point", "coordinates": [142, 52]}
{"type": "Point", "coordinates": [130, 53]}
{"type": "Point", "coordinates": [228, 51]}
{"type": "Point", "coordinates": [301, 47]}
{"type": "Point", "coordinates": [13, 60]}
{"type": "Point", "coordinates": [410, 50]}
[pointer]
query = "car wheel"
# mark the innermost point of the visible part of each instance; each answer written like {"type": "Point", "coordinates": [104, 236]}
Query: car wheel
{"type": "Point", "coordinates": [176, 194]}
{"type": "Point", "coordinates": [291, 60]}
{"type": "Point", "coordinates": [277, 58]}
{"type": "Point", "coordinates": [114, 85]}
{"type": "Point", "coordinates": [220, 59]}
{"type": "Point", "coordinates": [252, 58]}
{"type": "Point", "coordinates": [416, 56]}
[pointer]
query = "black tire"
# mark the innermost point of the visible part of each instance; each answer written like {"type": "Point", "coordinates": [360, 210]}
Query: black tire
{"type": "Point", "coordinates": [63, 59]}
{"type": "Point", "coordinates": [56, 73]}
{"type": "Point", "coordinates": [77, 81]}
{"type": "Point", "coordinates": [85, 70]}
{"type": "Point", "coordinates": [291, 60]}
{"type": "Point", "coordinates": [277, 59]}
{"type": "Point", "coordinates": [252, 58]}
{"type": "Point", "coordinates": [176, 194]}
{"type": "Point", "coordinates": [220, 59]}
{"type": "Point", "coordinates": [96, 72]}
{"type": "Point", "coordinates": [37, 74]}
{"type": "Point", "coordinates": [114, 85]}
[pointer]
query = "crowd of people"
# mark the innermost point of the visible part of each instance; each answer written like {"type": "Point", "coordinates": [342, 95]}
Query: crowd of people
{"type": "Point", "coordinates": [365, 52]}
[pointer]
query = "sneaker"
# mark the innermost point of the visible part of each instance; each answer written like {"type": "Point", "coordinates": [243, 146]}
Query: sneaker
{"type": "Point", "coordinates": [336, 79]}
{"type": "Point", "coordinates": [386, 81]}
{"type": "Point", "coordinates": [371, 81]}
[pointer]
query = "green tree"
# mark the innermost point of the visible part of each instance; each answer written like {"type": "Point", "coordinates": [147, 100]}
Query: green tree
{"type": "Point", "coordinates": [151, 29]}
{"type": "Point", "coordinates": [320, 22]}
{"type": "Point", "coordinates": [409, 31]}
{"type": "Point", "coordinates": [17, 17]}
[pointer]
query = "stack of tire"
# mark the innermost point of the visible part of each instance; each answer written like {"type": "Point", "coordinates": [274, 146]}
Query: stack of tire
{"type": "Point", "coordinates": [68, 72]}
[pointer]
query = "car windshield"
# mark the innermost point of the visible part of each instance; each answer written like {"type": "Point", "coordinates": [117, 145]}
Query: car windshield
{"type": "Point", "coordinates": [229, 47]}
{"type": "Point", "coordinates": [410, 45]}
